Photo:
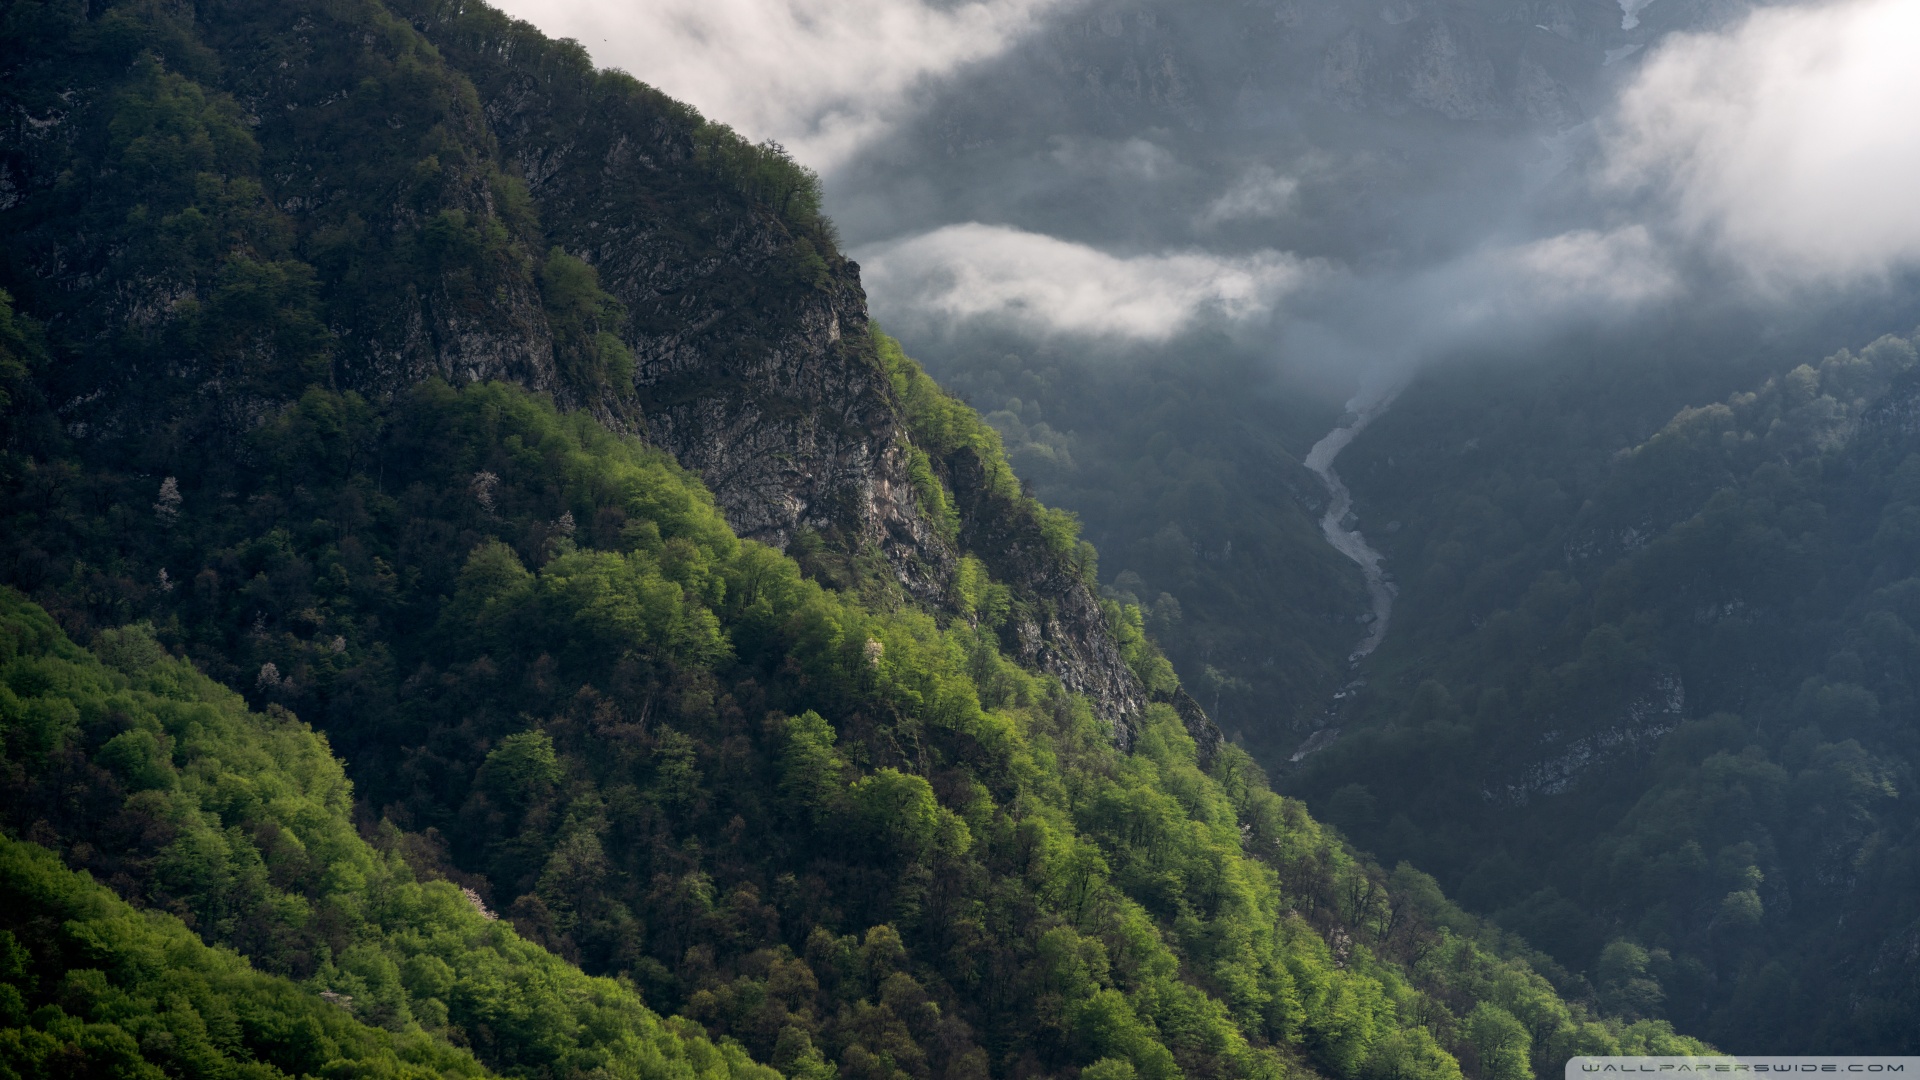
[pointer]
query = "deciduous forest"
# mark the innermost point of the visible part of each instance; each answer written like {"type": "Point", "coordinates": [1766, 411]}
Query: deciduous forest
{"type": "Point", "coordinates": [480, 595]}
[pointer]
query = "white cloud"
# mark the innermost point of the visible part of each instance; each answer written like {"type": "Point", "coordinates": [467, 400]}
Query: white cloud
{"type": "Point", "coordinates": [1498, 296]}
{"type": "Point", "coordinates": [975, 271]}
{"type": "Point", "coordinates": [1261, 193]}
{"type": "Point", "coordinates": [1788, 142]}
{"type": "Point", "coordinates": [1584, 270]}
{"type": "Point", "coordinates": [821, 76]}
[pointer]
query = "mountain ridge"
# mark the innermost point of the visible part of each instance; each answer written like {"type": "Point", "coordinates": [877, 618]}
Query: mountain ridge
{"type": "Point", "coordinates": [314, 405]}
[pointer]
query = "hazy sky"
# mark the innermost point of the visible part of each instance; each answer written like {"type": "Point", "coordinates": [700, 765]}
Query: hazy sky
{"type": "Point", "coordinates": [821, 76]}
{"type": "Point", "coordinates": [1775, 155]}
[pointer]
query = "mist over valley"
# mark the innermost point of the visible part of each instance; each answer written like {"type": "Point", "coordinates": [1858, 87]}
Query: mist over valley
{"type": "Point", "coordinates": [1164, 246]}
{"type": "Point", "coordinates": [957, 539]}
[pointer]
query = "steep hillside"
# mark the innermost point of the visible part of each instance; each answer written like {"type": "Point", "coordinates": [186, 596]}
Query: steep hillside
{"type": "Point", "coordinates": [624, 745]}
{"type": "Point", "coordinates": [90, 986]}
{"type": "Point", "coordinates": [214, 207]}
{"type": "Point", "coordinates": [234, 825]}
{"type": "Point", "coordinates": [393, 368]}
{"type": "Point", "coordinates": [1671, 689]}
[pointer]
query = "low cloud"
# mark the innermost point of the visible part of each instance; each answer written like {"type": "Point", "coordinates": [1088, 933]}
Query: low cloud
{"type": "Point", "coordinates": [824, 79]}
{"type": "Point", "coordinates": [1584, 270]}
{"type": "Point", "coordinates": [1787, 143]}
{"type": "Point", "coordinates": [1498, 296]}
{"type": "Point", "coordinates": [976, 271]}
{"type": "Point", "coordinates": [1260, 194]}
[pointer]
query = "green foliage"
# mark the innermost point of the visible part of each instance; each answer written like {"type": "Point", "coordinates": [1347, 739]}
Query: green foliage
{"type": "Point", "coordinates": [895, 813]}
{"type": "Point", "coordinates": [812, 772]}
{"type": "Point", "coordinates": [522, 769]}
{"type": "Point", "coordinates": [765, 174]}
{"type": "Point", "coordinates": [89, 986]}
{"type": "Point", "coordinates": [935, 503]}
{"type": "Point", "coordinates": [1501, 1042]}
{"type": "Point", "coordinates": [952, 445]}
{"type": "Point", "coordinates": [20, 353]}
{"type": "Point", "coordinates": [1143, 657]}
{"type": "Point", "coordinates": [1182, 468]}
{"type": "Point", "coordinates": [244, 835]}
{"type": "Point", "coordinates": [586, 322]}
{"type": "Point", "coordinates": [617, 733]}
{"type": "Point", "coordinates": [941, 425]}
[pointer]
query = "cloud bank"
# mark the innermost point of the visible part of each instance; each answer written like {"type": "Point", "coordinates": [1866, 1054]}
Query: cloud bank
{"type": "Point", "coordinates": [1261, 193]}
{"type": "Point", "coordinates": [1777, 152]}
{"type": "Point", "coordinates": [822, 78]}
{"type": "Point", "coordinates": [976, 271]}
{"type": "Point", "coordinates": [1586, 270]}
{"type": "Point", "coordinates": [1788, 144]}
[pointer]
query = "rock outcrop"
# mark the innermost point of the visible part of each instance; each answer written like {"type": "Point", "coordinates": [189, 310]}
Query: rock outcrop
{"type": "Point", "coordinates": [484, 156]}
{"type": "Point", "coordinates": [753, 360]}
{"type": "Point", "coordinates": [756, 367]}
{"type": "Point", "coordinates": [1056, 625]}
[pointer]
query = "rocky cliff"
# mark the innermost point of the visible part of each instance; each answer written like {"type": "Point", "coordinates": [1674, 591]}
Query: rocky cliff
{"type": "Point", "coordinates": [749, 330]}
{"type": "Point", "coordinates": [429, 189]}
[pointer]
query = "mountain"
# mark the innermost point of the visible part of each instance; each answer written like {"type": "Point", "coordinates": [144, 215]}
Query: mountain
{"type": "Point", "coordinates": [708, 694]}
{"type": "Point", "coordinates": [1668, 688]}
{"type": "Point", "coordinates": [1374, 133]}
{"type": "Point", "coordinates": [235, 829]}
{"type": "Point", "coordinates": [1380, 146]}
{"type": "Point", "coordinates": [1644, 696]}
{"type": "Point", "coordinates": [425, 258]}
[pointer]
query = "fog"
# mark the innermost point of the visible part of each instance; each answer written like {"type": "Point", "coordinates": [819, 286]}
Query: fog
{"type": "Point", "coordinates": [822, 78]}
{"type": "Point", "coordinates": [1048, 285]}
{"type": "Point", "coordinates": [1361, 188]}
{"type": "Point", "coordinates": [1788, 144]}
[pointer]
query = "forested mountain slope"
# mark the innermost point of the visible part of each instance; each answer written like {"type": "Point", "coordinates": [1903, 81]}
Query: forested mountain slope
{"type": "Point", "coordinates": [213, 207]}
{"type": "Point", "coordinates": [382, 363]}
{"type": "Point", "coordinates": [1657, 712]}
{"type": "Point", "coordinates": [236, 826]}
{"type": "Point", "coordinates": [625, 749]}
{"type": "Point", "coordinates": [1186, 473]}
{"type": "Point", "coordinates": [92, 987]}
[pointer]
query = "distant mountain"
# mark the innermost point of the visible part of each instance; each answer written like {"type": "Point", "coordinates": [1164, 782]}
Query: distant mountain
{"type": "Point", "coordinates": [1384, 138]}
{"type": "Point", "coordinates": [1645, 700]}
{"type": "Point", "coordinates": [710, 696]}
{"type": "Point", "coordinates": [1653, 706]}
{"type": "Point", "coordinates": [1400, 125]}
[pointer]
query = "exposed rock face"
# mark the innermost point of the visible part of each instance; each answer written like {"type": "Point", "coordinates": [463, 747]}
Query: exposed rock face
{"type": "Point", "coordinates": [1207, 736]}
{"type": "Point", "coordinates": [754, 364]}
{"type": "Point", "coordinates": [1058, 626]}
{"type": "Point", "coordinates": [484, 146]}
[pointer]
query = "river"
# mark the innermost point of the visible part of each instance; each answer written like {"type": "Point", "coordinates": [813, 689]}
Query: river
{"type": "Point", "coordinates": [1338, 522]}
